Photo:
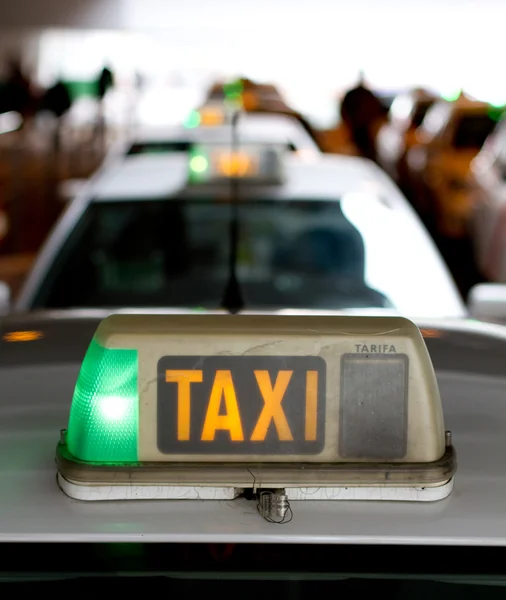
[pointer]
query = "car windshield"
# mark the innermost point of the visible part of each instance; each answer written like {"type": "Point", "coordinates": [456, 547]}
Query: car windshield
{"type": "Point", "coordinates": [166, 147]}
{"type": "Point", "coordinates": [472, 130]}
{"type": "Point", "coordinates": [176, 253]}
{"type": "Point", "coordinates": [160, 147]}
{"type": "Point", "coordinates": [292, 253]}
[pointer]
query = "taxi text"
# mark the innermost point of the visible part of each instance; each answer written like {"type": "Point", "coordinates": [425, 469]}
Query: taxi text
{"type": "Point", "coordinates": [223, 392]}
{"type": "Point", "coordinates": [245, 404]}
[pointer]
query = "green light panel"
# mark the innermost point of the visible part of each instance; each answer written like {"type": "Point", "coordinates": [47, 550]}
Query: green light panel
{"type": "Point", "coordinates": [193, 120]}
{"type": "Point", "coordinates": [451, 96]}
{"type": "Point", "coordinates": [199, 165]}
{"type": "Point", "coordinates": [233, 90]}
{"type": "Point", "coordinates": [104, 416]}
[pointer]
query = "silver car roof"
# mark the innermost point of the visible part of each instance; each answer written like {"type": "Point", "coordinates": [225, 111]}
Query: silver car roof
{"type": "Point", "coordinates": [143, 177]}
{"type": "Point", "coordinates": [37, 381]}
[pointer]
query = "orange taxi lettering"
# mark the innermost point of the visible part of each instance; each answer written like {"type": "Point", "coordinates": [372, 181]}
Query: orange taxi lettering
{"type": "Point", "coordinates": [223, 387]}
{"type": "Point", "coordinates": [311, 405]}
{"type": "Point", "coordinates": [183, 380]}
{"type": "Point", "coordinates": [272, 410]}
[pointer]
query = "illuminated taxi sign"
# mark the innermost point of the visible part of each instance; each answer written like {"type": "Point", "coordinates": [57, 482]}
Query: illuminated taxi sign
{"type": "Point", "coordinates": [253, 163]}
{"type": "Point", "coordinates": [211, 116]}
{"type": "Point", "coordinates": [284, 413]}
{"type": "Point", "coordinates": [213, 402]}
{"type": "Point", "coordinates": [236, 164]}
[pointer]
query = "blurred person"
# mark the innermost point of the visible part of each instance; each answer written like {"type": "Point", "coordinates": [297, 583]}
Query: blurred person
{"type": "Point", "coordinates": [362, 112]}
{"type": "Point", "coordinates": [57, 100]}
{"type": "Point", "coordinates": [17, 90]}
{"type": "Point", "coordinates": [105, 82]}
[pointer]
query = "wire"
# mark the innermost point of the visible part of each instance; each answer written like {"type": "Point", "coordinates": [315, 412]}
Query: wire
{"type": "Point", "coordinates": [232, 297]}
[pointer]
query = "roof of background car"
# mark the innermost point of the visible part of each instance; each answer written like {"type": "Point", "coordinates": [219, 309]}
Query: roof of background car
{"type": "Point", "coordinates": [248, 122]}
{"type": "Point", "coordinates": [144, 177]}
{"type": "Point", "coordinates": [37, 381]}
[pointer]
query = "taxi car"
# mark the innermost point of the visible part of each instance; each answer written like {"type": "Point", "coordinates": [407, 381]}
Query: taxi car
{"type": "Point", "coordinates": [488, 182]}
{"type": "Point", "coordinates": [450, 137]}
{"type": "Point", "coordinates": [399, 133]}
{"type": "Point", "coordinates": [310, 232]}
{"type": "Point", "coordinates": [251, 447]}
{"type": "Point", "coordinates": [249, 93]}
{"type": "Point", "coordinates": [256, 98]}
{"type": "Point", "coordinates": [212, 125]}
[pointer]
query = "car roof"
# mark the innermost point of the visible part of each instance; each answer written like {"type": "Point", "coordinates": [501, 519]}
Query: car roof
{"type": "Point", "coordinates": [272, 127]}
{"type": "Point", "coordinates": [37, 381]}
{"type": "Point", "coordinates": [144, 177]}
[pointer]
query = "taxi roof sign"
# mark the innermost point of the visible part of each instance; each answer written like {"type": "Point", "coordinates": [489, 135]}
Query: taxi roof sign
{"type": "Point", "coordinates": [212, 116]}
{"type": "Point", "coordinates": [253, 163]}
{"type": "Point", "coordinates": [165, 403]}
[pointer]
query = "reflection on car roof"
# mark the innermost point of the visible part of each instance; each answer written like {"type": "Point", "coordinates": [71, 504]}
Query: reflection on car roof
{"type": "Point", "coordinates": [143, 177]}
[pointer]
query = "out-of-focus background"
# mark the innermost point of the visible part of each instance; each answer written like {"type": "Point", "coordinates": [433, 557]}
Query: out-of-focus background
{"type": "Point", "coordinates": [77, 76]}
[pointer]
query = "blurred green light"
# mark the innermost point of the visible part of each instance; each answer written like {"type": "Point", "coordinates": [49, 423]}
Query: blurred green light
{"type": "Point", "coordinates": [496, 111]}
{"type": "Point", "coordinates": [193, 120]}
{"type": "Point", "coordinates": [233, 90]}
{"type": "Point", "coordinates": [104, 416]}
{"type": "Point", "coordinates": [199, 164]}
{"type": "Point", "coordinates": [452, 96]}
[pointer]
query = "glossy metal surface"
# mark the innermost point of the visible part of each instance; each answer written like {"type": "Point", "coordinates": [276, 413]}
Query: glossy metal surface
{"type": "Point", "coordinates": [37, 380]}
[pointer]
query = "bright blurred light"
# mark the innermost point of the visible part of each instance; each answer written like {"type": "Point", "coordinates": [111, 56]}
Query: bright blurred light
{"type": "Point", "coordinates": [162, 105]}
{"type": "Point", "coordinates": [193, 120]}
{"type": "Point", "coordinates": [10, 121]}
{"type": "Point", "coordinates": [199, 164]}
{"type": "Point", "coordinates": [114, 408]}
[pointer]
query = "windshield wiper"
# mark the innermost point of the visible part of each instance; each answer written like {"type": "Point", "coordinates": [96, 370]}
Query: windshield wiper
{"type": "Point", "coordinates": [232, 300]}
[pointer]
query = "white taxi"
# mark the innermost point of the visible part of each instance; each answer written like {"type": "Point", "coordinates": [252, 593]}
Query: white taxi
{"type": "Point", "coordinates": [212, 124]}
{"type": "Point", "coordinates": [321, 232]}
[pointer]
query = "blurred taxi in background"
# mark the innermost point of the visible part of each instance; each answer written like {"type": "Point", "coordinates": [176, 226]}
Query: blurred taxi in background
{"type": "Point", "coordinates": [251, 94]}
{"type": "Point", "coordinates": [488, 223]}
{"type": "Point", "coordinates": [399, 134]}
{"type": "Point", "coordinates": [280, 130]}
{"type": "Point", "coordinates": [451, 135]}
{"type": "Point", "coordinates": [325, 232]}
{"type": "Point", "coordinates": [266, 128]}
{"type": "Point", "coordinates": [254, 97]}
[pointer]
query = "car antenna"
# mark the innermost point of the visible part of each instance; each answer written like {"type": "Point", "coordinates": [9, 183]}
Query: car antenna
{"type": "Point", "coordinates": [232, 298]}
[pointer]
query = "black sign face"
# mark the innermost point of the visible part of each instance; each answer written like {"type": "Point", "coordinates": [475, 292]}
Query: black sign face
{"type": "Point", "coordinates": [241, 404]}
